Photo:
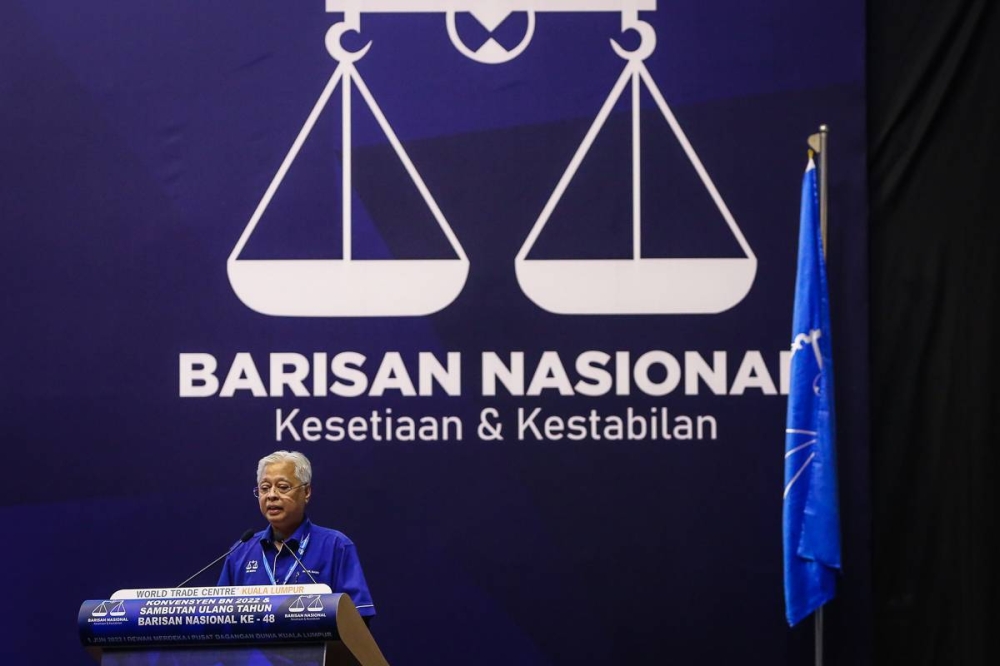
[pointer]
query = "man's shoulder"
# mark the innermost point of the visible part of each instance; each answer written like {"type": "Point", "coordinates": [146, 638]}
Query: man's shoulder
{"type": "Point", "coordinates": [329, 535]}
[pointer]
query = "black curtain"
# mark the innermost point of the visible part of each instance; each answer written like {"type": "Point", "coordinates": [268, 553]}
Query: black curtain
{"type": "Point", "coordinates": [934, 177]}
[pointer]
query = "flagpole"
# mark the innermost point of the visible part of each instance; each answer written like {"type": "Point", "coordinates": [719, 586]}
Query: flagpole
{"type": "Point", "coordinates": [819, 636]}
{"type": "Point", "coordinates": [823, 190]}
{"type": "Point", "coordinates": [818, 143]}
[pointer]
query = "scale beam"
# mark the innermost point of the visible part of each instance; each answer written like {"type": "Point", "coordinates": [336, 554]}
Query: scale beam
{"type": "Point", "coordinates": [441, 6]}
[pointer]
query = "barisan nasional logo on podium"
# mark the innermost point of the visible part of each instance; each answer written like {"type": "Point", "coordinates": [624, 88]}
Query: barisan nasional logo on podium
{"type": "Point", "coordinates": [112, 611]}
{"type": "Point", "coordinates": [312, 603]}
{"type": "Point", "coordinates": [349, 287]}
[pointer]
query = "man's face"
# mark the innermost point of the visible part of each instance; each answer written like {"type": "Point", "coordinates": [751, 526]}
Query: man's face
{"type": "Point", "coordinates": [284, 510]}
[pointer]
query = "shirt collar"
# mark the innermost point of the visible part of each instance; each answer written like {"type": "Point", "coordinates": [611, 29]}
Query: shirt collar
{"type": "Point", "coordinates": [266, 537]}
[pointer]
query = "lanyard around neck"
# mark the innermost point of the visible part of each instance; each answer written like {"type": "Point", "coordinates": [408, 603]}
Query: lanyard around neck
{"type": "Point", "coordinates": [267, 567]}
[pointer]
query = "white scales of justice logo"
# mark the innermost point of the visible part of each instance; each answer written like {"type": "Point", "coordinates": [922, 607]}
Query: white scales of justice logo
{"type": "Point", "coordinates": [410, 287]}
{"type": "Point", "coordinates": [299, 605]}
{"type": "Point", "coordinates": [116, 609]}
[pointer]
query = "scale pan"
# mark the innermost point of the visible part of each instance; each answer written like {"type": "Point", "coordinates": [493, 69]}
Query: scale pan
{"type": "Point", "coordinates": [636, 286]}
{"type": "Point", "coordinates": [338, 288]}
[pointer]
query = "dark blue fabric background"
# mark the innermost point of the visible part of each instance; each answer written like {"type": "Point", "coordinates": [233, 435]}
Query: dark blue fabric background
{"type": "Point", "coordinates": [137, 140]}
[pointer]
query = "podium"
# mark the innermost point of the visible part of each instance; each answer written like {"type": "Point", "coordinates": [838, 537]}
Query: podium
{"type": "Point", "coordinates": [291, 625]}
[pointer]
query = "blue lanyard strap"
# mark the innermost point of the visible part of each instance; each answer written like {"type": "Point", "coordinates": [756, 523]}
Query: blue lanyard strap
{"type": "Point", "coordinates": [267, 567]}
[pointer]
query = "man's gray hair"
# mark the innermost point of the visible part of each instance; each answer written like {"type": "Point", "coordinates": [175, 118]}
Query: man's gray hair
{"type": "Point", "coordinates": [303, 468]}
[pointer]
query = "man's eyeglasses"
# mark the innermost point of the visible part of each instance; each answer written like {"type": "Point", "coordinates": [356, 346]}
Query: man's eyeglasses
{"type": "Point", "coordinates": [264, 489]}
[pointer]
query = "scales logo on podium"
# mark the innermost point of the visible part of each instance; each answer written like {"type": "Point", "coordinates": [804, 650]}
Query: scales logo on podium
{"type": "Point", "coordinates": [112, 608]}
{"type": "Point", "coordinates": [112, 611]}
{"type": "Point", "coordinates": [350, 287]}
{"type": "Point", "coordinates": [312, 603]}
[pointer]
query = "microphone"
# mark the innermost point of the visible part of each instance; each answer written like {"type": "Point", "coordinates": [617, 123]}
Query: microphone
{"type": "Point", "coordinates": [295, 555]}
{"type": "Point", "coordinates": [243, 539]}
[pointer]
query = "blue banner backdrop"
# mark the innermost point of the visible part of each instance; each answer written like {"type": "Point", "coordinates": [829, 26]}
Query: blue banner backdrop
{"type": "Point", "coordinates": [517, 277]}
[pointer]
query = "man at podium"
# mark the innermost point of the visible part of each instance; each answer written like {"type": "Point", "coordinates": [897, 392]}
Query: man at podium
{"type": "Point", "coordinates": [292, 550]}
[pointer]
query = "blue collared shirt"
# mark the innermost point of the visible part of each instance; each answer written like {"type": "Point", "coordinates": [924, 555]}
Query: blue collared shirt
{"type": "Point", "coordinates": [327, 554]}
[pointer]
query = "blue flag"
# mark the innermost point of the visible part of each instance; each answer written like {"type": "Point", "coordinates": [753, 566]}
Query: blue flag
{"type": "Point", "coordinates": [811, 515]}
